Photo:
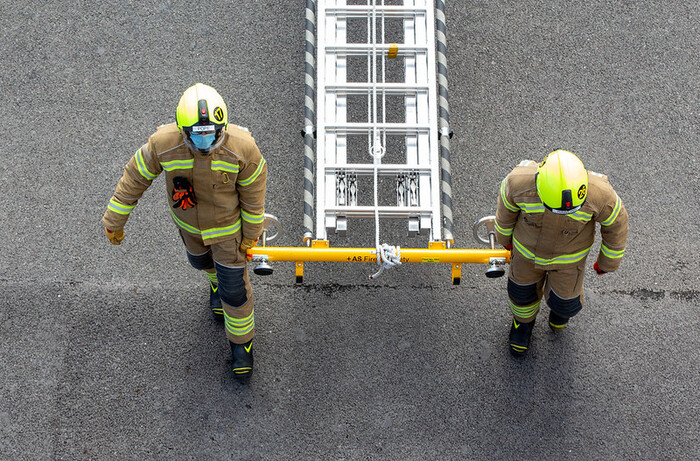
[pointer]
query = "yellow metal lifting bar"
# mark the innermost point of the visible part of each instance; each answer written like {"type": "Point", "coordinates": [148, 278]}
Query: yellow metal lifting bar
{"type": "Point", "coordinates": [369, 255]}
{"type": "Point", "coordinates": [320, 251]}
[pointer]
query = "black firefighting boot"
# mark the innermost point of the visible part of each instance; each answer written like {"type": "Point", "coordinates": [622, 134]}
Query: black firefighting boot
{"type": "Point", "coordinates": [242, 359]}
{"type": "Point", "coordinates": [557, 322]}
{"type": "Point", "coordinates": [217, 309]}
{"type": "Point", "coordinates": [519, 337]}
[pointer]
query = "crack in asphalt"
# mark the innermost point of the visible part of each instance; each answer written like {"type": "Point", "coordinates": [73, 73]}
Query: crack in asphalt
{"type": "Point", "coordinates": [644, 294]}
{"type": "Point", "coordinates": [334, 288]}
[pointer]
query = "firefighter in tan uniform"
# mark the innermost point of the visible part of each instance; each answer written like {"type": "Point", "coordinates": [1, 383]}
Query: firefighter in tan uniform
{"type": "Point", "coordinates": [215, 179]}
{"type": "Point", "coordinates": [547, 216]}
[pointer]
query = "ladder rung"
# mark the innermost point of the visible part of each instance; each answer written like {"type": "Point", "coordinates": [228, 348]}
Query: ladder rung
{"type": "Point", "coordinates": [388, 128]}
{"type": "Point", "coordinates": [365, 49]}
{"type": "Point", "coordinates": [384, 168]}
{"type": "Point", "coordinates": [384, 211]}
{"type": "Point", "coordinates": [364, 11]}
{"type": "Point", "coordinates": [386, 88]}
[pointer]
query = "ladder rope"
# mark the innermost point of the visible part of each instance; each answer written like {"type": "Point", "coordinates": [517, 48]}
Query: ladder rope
{"type": "Point", "coordinates": [387, 256]}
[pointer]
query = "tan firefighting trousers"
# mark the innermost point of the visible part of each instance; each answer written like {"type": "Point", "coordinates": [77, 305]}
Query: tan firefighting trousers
{"type": "Point", "coordinates": [563, 285]}
{"type": "Point", "coordinates": [239, 320]}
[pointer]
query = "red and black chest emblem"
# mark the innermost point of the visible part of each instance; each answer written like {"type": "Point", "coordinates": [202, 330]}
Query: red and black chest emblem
{"type": "Point", "coordinates": [183, 194]}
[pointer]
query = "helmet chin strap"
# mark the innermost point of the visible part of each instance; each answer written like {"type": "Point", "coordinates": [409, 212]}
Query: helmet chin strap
{"type": "Point", "coordinates": [217, 142]}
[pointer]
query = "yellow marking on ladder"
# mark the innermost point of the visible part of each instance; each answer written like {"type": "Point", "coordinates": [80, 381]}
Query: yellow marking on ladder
{"type": "Point", "coordinates": [393, 51]}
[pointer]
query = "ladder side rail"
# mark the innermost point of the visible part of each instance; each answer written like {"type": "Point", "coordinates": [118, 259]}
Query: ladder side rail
{"type": "Point", "coordinates": [331, 145]}
{"type": "Point", "coordinates": [436, 230]}
{"type": "Point", "coordinates": [377, 151]}
{"type": "Point", "coordinates": [410, 101]}
{"type": "Point", "coordinates": [445, 133]}
{"type": "Point", "coordinates": [341, 116]}
{"type": "Point", "coordinates": [417, 110]}
{"type": "Point", "coordinates": [340, 155]}
{"type": "Point", "coordinates": [309, 108]}
{"type": "Point", "coordinates": [331, 31]}
{"type": "Point", "coordinates": [321, 135]}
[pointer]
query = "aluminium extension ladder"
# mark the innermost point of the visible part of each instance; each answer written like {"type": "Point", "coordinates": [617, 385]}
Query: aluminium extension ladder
{"type": "Point", "coordinates": [416, 175]}
{"type": "Point", "coordinates": [363, 79]}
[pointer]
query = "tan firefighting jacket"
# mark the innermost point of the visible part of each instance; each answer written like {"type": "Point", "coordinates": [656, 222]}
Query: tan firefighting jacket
{"type": "Point", "coordinates": [229, 184]}
{"type": "Point", "coordinates": [549, 239]}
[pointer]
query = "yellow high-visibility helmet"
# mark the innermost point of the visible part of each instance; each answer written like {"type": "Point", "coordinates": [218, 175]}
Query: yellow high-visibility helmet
{"type": "Point", "coordinates": [562, 182]}
{"type": "Point", "coordinates": [202, 117]}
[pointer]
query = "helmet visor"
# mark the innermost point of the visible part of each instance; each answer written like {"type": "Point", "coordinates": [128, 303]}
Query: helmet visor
{"type": "Point", "coordinates": [200, 129]}
{"type": "Point", "coordinates": [562, 210]}
{"type": "Point", "coordinates": [202, 136]}
{"type": "Point", "coordinates": [567, 204]}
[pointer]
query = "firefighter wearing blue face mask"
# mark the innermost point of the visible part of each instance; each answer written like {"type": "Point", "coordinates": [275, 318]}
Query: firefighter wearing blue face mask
{"type": "Point", "coordinates": [201, 118]}
{"type": "Point", "coordinates": [216, 180]}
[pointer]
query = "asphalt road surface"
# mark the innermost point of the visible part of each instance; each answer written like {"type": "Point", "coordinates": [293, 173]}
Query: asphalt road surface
{"type": "Point", "coordinates": [110, 352]}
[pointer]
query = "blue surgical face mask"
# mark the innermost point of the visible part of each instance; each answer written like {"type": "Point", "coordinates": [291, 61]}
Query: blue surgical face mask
{"type": "Point", "coordinates": [203, 141]}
